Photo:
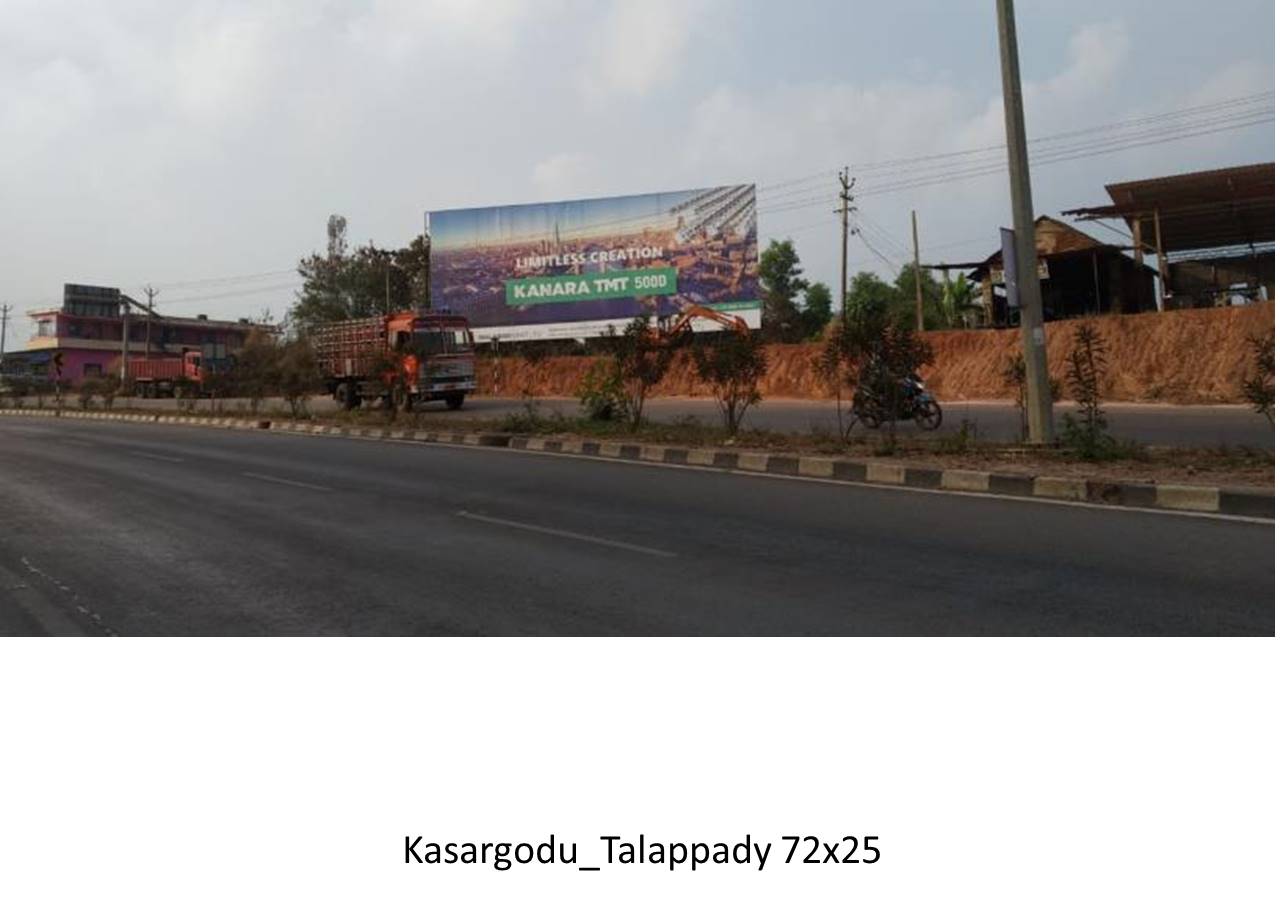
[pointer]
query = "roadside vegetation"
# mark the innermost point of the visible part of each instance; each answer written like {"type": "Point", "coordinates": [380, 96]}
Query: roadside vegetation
{"type": "Point", "coordinates": [963, 449]}
{"type": "Point", "coordinates": [1259, 388]}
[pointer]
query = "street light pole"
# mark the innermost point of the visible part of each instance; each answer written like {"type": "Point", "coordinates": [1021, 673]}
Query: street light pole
{"type": "Point", "coordinates": [1039, 401]}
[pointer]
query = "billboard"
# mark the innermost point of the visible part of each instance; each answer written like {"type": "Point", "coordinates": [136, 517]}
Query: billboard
{"type": "Point", "coordinates": [545, 271]}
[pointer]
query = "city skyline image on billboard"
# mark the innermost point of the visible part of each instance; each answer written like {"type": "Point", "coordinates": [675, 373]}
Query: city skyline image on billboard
{"type": "Point", "coordinates": [573, 268]}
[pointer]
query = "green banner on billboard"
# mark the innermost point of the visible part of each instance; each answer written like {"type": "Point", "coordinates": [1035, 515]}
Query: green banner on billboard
{"type": "Point", "coordinates": [639, 282]}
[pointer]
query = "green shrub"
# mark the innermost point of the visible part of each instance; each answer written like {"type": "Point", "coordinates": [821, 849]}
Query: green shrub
{"type": "Point", "coordinates": [1085, 433]}
{"type": "Point", "coordinates": [601, 394]}
{"type": "Point", "coordinates": [1260, 386]}
{"type": "Point", "coordinates": [732, 364]}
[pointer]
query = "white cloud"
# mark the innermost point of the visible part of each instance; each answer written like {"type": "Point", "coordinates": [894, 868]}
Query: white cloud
{"type": "Point", "coordinates": [220, 66]}
{"type": "Point", "coordinates": [401, 29]}
{"type": "Point", "coordinates": [565, 175]}
{"type": "Point", "coordinates": [1240, 78]}
{"type": "Point", "coordinates": [640, 45]}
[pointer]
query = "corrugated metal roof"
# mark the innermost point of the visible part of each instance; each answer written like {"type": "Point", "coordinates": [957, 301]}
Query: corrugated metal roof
{"type": "Point", "coordinates": [1197, 210]}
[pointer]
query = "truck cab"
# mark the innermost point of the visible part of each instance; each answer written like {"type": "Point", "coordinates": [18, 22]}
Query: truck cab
{"type": "Point", "coordinates": [438, 352]}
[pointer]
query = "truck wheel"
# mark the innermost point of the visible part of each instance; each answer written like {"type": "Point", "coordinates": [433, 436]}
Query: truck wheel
{"type": "Point", "coordinates": [346, 396]}
{"type": "Point", "coordinates": [454, 400]}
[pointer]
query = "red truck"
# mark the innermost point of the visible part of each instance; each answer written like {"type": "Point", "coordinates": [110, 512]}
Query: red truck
{"type": "Point", "coordinates": [167, 375]}
{"type": "Point", "coordinates": [401, 359]}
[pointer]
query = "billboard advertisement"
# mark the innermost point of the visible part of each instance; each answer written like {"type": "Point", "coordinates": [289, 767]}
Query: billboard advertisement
{"type": "Point", "coordinates": [545, 271]}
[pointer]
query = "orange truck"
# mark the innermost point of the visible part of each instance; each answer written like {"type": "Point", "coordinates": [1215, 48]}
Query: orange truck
{"type": "Point", "coordinates": [167, 375]}
{"type": "Point", "coordinates": [404, 358]}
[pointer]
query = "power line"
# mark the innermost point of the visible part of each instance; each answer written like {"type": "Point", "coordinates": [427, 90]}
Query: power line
{"type": "Point", "coordinates": [1049, 159]}
{"type": "Point", "coordinates": [1118, 140]}
{"type": "Point", "coordinates": [892, 267]}
{"type": "Point", "coordinates": [236, 293]}
{"type": "Point", "coordinates": [909, 181]}
{"type": "Point", "coordinates": [910, 161]}
{"type": "Point", "coordinates": [224, 279]}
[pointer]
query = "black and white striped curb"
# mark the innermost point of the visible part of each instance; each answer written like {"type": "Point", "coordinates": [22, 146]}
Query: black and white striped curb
{"type": "Point", "coordinates": [1235, 501]}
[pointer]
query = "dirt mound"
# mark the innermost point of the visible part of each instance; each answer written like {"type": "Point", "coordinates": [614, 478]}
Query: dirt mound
{"type": "Point", "coordinates": [1191, 356]}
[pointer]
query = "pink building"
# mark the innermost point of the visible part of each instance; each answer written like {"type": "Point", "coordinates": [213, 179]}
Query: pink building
{"type": "Point", "coordinates": [89, 332]}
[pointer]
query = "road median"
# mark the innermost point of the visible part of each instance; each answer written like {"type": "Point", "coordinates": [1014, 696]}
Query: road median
{"type": "Point", "coordinates": [1226, 500]}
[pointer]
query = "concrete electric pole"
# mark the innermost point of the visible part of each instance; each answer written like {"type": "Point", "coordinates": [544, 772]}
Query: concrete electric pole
{"type": "Point", "coordinates": [846, 197]}
{"type": "Point", "coordinates": [151, 297]}
{"type": "Point", "coordinates": [4, 327]}
{"type": "Point", "coordinates": [124, 341]}
{"type": "Point", "coordinates": [915, 244]}
{"type": "Point", "coordinates": [1039, 401]}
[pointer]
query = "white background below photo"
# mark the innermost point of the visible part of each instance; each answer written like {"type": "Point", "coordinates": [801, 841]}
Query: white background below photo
{"type": "Point", "coordinates": [298, 767]}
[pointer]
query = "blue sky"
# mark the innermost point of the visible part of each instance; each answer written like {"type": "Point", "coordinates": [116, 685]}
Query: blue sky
{"type": "Point", "coordinates": [209, 141]}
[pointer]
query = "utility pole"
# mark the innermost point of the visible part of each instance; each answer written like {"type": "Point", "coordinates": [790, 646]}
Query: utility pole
{"type": "Point", "coordinates": [4, 327]}
{"type": "Point", "coordinates": [151, 296]}
{"type": "Point", "coordinates": [915, 243]}
{"type": "Point", "coordinates": [1039, 401]}
{"type": "Point", "coordinates": [124, 341]}
{"type": "Point", "coordinates": [846, 197]}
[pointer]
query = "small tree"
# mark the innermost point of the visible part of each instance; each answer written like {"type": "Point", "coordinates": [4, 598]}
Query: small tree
{"type": "Point", "coordinates": [218, 384]}
{"type": "Point", "coordinates": [600, 394]}
{"type": "Point", "coordinates": [817, 309]}
{"type": "Point", "coordinates": [1087, 435]}
{"type": "Point", "coordinates": [830, 366]}
{"type": "Point", "coordinates": [388, 367]}
{"type": "Point", "coordinates": [108, 389]}
{"type": "Point", "coordinates": [88, 389]}
{"type": "Point", "coordinates": [733, 365]}
{"type": "Point", "coordinates": [902, 353]}
{"type": "Point", "coordinates": [257, 369]}
{"type": "Point", "coordinates": [1014, 374]}
{"type": "Point", "coordinates": [780, 275]}
{"type": "Point", "coordinates": [298, 375]}
{"type": "Point", "coordinates": [642, 359]}
{"type": "Point", "coordinates": [881, 350]}
{"type": "Point", "coordinates": [1260, 387]}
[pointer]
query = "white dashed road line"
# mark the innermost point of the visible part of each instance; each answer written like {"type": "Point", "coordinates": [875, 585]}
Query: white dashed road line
{"type": "Point", "coordinates": [556, 532]}
{"type": "Point", "coordinates": [156, 456]}
{"type": "Point", "coordinates": [286, 482]}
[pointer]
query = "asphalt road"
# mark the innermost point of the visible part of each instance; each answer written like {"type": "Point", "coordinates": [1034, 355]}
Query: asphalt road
{"type": "Point", "coordinates": [1146, 423]}
{"type": "Point", "coordinates": [148, 529]}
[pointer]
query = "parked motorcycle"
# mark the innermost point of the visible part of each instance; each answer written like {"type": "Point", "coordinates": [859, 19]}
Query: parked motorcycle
{"type": "Point", "coordinates": [872, 404]}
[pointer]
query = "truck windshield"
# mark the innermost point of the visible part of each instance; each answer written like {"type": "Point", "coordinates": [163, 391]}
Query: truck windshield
{"type": "Point", "coordinates": [441, 341]}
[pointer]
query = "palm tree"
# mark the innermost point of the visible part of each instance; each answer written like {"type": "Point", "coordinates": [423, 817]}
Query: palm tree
{"type": "Point", "coordinates": [958, 298]}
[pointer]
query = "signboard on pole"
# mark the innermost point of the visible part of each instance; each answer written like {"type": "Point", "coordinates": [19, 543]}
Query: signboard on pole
{"type": "Point", "coordinates": [545, 271]}
{"type": "Point", "coordinates": [1009, 251]}
{"type": "Point", "coordinates": [1009, 259]}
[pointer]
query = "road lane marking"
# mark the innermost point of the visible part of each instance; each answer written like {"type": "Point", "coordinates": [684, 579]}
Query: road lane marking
{"type": "Point", "coordinates": [50, 618]}
{"type": "Point", "coordinates": [286, 482]}
{"type": "Point", "coordinates": [556, 532]}
{"type": "Point", "coordinates": [156, 456]}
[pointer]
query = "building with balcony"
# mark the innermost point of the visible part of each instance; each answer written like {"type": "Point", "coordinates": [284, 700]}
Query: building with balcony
{"type": "Point", "coordinates": [88, 330]}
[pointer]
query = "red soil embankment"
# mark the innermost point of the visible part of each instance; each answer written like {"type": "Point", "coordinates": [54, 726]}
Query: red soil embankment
{"type": "Point", "coordinates": [1189, 356]}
